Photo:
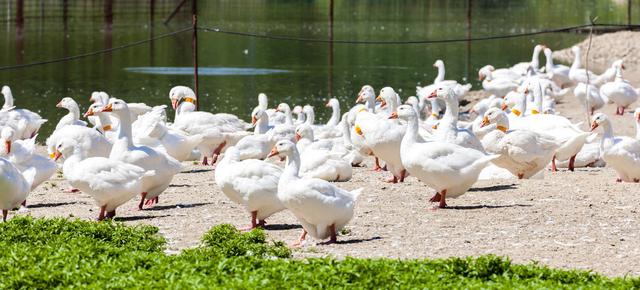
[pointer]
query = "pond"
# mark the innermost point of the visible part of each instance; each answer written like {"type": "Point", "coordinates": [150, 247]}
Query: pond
{"type": "Point", "coordinates": [235, 68]}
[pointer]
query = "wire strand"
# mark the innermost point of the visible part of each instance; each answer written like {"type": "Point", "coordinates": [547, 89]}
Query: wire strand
{"type": "Point", "coordinates": [93, 53]}
{"type": "Point", "coordinates": [426, 41]}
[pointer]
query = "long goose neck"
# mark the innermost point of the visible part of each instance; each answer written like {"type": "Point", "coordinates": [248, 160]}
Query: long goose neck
{"type": "Point", "coordinates": [440, 76]}
{"type": "Point", "coordinates": [262, 125]}
{"type": "Point", "coordinates": [549, 61]}
{"type": "Point", "coordinates": [124, 130]}
{"type": "Point", "coordinates": [346, 132]}
{"type": "Point", "coordinates": [311, 117]}
{"type": "Point", "coordinates": [608, 130]}
{"type": "Point", "coordinates": [371, 104]}
{"type": "Point", "coordinates": [521, 106]}
{"type": "Point", "coordinates": [576, 60]}
{"type": "Point", "coordinates": [292, 165]}
{"type": "Point", "coordinates": [618, 75]}
{"type": "Point", "coordinates": [335, 115]}
{"type": "Point", "coordinates": [8, 99]}
{"type": "Point", "coordinates": [74, 111]}
{"type": "Point", "coordinates": [452, 110]}
{"type": "Point", "coordinates": [537, 96]}
{"type": "Point", "coordinates": [535, 58]}
{"type": "Point", "coordinates": [411, 135]}
{"type": "Point", "coordinates": [288, 118]}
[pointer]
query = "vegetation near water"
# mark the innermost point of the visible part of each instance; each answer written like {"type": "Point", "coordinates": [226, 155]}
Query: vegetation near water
{"type": "Point", "coordinates": [49, 253]}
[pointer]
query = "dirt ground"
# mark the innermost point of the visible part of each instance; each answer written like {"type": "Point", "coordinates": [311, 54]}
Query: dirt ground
{"type": "Point", "coordinates": [579, 220]}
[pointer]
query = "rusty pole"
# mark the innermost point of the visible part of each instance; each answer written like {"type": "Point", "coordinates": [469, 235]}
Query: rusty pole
{"type": "Point", "coordinates": [194, 47]}
{"type": "Point", "coordinates": [330, 78]}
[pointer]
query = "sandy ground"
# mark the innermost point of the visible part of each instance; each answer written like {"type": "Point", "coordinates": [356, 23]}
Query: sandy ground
{"type": "Point", "coordinates": [580, 220]}
{"type": "Point", "coordinates": [605, 49]}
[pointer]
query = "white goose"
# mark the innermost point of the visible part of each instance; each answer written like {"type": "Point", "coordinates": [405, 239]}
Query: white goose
{"type": "Point", "coordinates": [165, 167]}
{"type": "Point", "coordinates": [71, 118]}
{"type": "Point", "coordinates": [596, 102]}
{"type": "Point", "coordinates": [448, 168]}
{"type": "Point", "coordinates": [610, 74]}
{"type": "Point", "coordinates": [448, 130]}
{"type": "Point", "coordinates": [102, 121]}
{"type": "Point", "coordinates": [382, 135]}
{"type": "Point", "coordinates": [496, 86]}
{"type": "Point", "coordinates": [322, 208]}
{"type": "Point", "coordinates": [560, 72]}
{"type": "Point", "coordinates": [323, 131]}
{"type": "Point", "coordinates": [620, 92]}
{"type": "Point", "coordinates": [522, 67]}
{"type": "Point", "coordinates": [524, 153]}
{"type": "Point", "coordinates": [622, 153]}
{"type": "Point", "coordinates": [250, 183]}
{"type": "Point", "coordinates": [109, 182]}
{"type": "Point", "coordinates": [136, 109]}
{"type": "Point", "coordinates": [219, 130]}
{"type": "Point", "coordinates": [258, 145]}
{"type": "Point", "coordinates": [14, 186]}
{"type": "Point", "coordinates": [26, 123]}
{"type": "Point", "coordinates": [300, 117]}
{"type": "Point", "coordinates": [578, 74]}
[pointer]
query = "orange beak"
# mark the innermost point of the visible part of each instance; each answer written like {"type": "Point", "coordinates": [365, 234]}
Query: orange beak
{"type": "Point", "coordinates": [394, 115]}
{"type": "Point", "coordinates": [59, 105]}
{"type": "Point", "coordinates": [328, 105]}
{"type": "Point", "coordinates": [638, 117]}
{"type": "Point", "coordinates": [480, 77]}
{"type": "Point", "coordinates": [108, 108]}
{"type": "Point", "coordinates": [298, 137]}
{"type": "Point", "coordinates": [485, 122]}
{"type": "Point", "coordinates": [504, 107]}
{"type": "Point", "coordinates": [359, 99]}
{"type": "Point", "coordinates": [526, 91]}
{"type": "Point", "coordinates": [174, 104]}
{"type": "Point", "coordinates": [253, 120]}
{"type": "Point", "coordinates": [56, 155]}
{"type": "Point", "coordinates": [273, 152]}
{"type": "Point", "coordinates": [8, 144]}
{"type": "Point", "coordinates": [278, 110]}
{"type": "Point", "coordinates": [433, 94]}
{"type": "Point", "coordinates": [594, 125]}
{"type": "Point", "coordinates": [89, 112]}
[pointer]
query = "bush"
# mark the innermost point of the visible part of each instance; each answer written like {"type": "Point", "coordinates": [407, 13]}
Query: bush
{"type": "Point", "coordinates": [48, 253]}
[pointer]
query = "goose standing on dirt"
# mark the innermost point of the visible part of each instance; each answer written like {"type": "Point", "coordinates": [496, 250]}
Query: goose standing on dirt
{"type": "Point", "coordinates": [448, 168]}
{"type": "Point", "coordinates": [622, 153]}
{"type": "Point", "coordinates": [620, 92]}
{"type": "Point", "coordinates": [496, 86]}
{"type": "Point", "coordinates": [165, 167]}
{"type": "Point", "coordinates": [577, 73]}
{"type": "Point", "coordinates": [322, 208]}
{"type": "Point", "coordinates": [71, 118]}
{"type": "Point", "coordinates": [250, 183]}
{"type": "Point", "coordinates": [382, 135]}
{"type": "Point", "coordinates": [109, 182]}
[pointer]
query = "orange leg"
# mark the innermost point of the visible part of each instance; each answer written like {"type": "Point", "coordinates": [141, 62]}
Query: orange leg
{"type": "Point", "coordinates": [553, 164]}
{"type": "Point", "coordinates": [142, 197]}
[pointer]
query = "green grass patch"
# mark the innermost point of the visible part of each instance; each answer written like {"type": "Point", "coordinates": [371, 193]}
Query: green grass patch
{"type": "Point", "coordinates": [49, 253]}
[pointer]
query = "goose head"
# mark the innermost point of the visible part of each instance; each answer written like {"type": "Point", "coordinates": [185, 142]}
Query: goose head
{"type": "Point", "coordinates": [7, 135]}
{"type": "Point", "coordinates": [93, 109]}
{"type": "Point", "coordinates": [366, 95]}
{"type": "Point", "coordinates": [284, 107]}
{"type": "Point", "coordinates": [333, 102]}
{"type": "Point", "coordinates": [599, 119]}
{"type": "Point", "coordinates": [443, 93]}
{"type": "Point", "coordinates": [67, 103]}
{"type": "Point", "coordinates": [404, 112]}
{"type": "Point", "coordinates": [178, 94]}
{"type": "Point", "coordinates": [485, 72]}
{"type": "Point", "coordinates": [6, 91]}
{"type": "Point", "coordinates": [263, 101]}
{"type": "Point", "coordinates": [495, 116]}
{"type": "Point", "coordinates": [618, 64]}
{"type": "Point", "coordinates": [116, 106]}
{"type": "Point", "coordinates": [367, 88]}
{"type": "Point", "coordinates": [258, 114]}
{"type": "Point", "coordinates": [99, 97]}
{"type": "Point", "coordinates": [438, 64]}
{"type": "Point", "coordinates": [283, 148]}
{"type": "Point", "coordinates": [64, 148]}
{"type": "Point", "coordinates": [304, 131]}
{"type": "Point", "coordinates": [387, 96]}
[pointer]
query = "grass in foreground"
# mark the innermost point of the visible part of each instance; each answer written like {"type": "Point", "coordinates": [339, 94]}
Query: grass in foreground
{"type": "Point", "coordinates": [47, 253]}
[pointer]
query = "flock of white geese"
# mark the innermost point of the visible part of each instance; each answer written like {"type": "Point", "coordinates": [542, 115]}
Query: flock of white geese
{"type": "Point", "coordinates": [124, 150]}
